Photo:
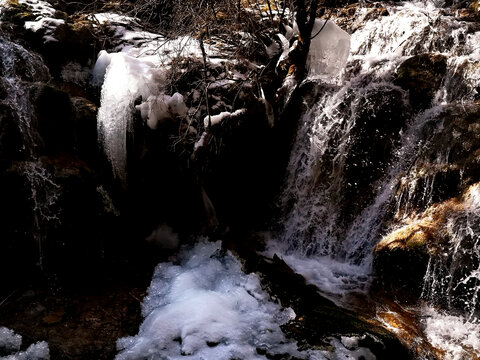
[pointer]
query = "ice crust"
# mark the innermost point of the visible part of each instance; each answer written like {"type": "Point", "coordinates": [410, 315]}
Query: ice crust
{"type": "Point", "coordinates": [205, 308]}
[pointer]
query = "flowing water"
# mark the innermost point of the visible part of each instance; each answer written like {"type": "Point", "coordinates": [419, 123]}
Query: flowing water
{"type": "Point", "coordinates": [19, 68]}
{"type": "Point", "coordinates": [354, 150]}
{"type": "Point", "coordinates": [338, 195]}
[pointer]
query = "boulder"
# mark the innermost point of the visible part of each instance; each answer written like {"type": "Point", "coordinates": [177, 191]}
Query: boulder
{"type": "Point", "coordinates": [433, 253]}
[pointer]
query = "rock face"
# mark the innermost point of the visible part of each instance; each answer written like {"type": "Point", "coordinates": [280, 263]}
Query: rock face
{"type": "Point", "coordinates": [421, 76]}
{"type": "Point", "coordinates": [435, 201]}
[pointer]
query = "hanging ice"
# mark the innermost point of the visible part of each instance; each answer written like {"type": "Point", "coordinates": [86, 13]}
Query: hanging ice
{"type": "Point", "coordinates": [329, 50]}
{"type": "Point", "coordinates": [126, 79]}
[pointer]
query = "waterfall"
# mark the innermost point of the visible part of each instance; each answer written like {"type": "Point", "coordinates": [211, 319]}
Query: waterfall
{"type": "Point", "coordinates": [19, 68]}
{"type": "Point", "coordinates": [343, 177]}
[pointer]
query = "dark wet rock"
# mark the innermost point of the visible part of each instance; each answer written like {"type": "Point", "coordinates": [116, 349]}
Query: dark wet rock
{"type": "Point", "coordinates": [85, 129]}
{"type": "Point", "coordinates": [377, 117]}
{"type": "Point", "coordinates": [448, 160]}
{"type": "Point", "coordinates": [317, 318]}
{"type": "Point", "coordinates": [76, 323]}
{"type": "Point", "coordinates": [11, 138]}
{"type": "Point", "coordinates": [431, 194]}
{"type": "Point", "coordinates": [401, 258]}
{"type": "Point", "coordinates": [439, 238]}
{"type": "Point", "coordinates": [17, 61]}
{"type": "Point", "coordinates": [54, 119]}
{"type": "Point", "coordinates": [422, 76]}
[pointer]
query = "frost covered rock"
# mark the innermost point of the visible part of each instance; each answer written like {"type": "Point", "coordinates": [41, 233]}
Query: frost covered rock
{"type": "Point", "coordinates": [329, 49]}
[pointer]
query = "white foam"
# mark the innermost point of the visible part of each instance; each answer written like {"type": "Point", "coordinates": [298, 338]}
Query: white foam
{"type": "Point", "coordinates": [457, 336]}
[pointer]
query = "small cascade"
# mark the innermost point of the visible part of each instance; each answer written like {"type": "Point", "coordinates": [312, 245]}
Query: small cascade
{"type": "Point", "coordinates": [453, 277]}
{"type": "Point", "coordinates": [359, 144]}
{"type": "Point", "coordinates": [19, 69]}
{"type": "Point", "coordinates": [45, 194]}
{"type": "Point", "coordinates": [18, 66]}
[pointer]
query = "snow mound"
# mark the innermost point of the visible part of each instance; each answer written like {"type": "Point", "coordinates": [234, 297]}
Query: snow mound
{"type": "Point", "coordinates": [11, 342]}
{"type": "Point", "coordinates": [206, 308]}
{"type": "Point", "coordinates": [159, 108]}
{"type": "Point", "coordinates": [44, 20]}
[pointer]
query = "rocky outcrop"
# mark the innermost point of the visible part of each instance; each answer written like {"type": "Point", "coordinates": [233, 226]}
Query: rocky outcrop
{"type": "Point", "coordinates": [317, 319]}
{"type": "Point", "coordinates": [447, 162]}
{"type": "Point", "coordinates": [433, 250]}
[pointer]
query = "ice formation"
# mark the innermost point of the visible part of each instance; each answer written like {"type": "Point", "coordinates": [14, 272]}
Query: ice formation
{"type": "Point", "coordinates": [207, 308]}
{"type": "Point", "coordinates": [136, 71]}
{"type": "Point", "coordinates": [159, 108]}
{"type": "Point", "coordinates": [11, 343]}
{"type": "Point", "coordinates": [329, 50]}
{"type": "Point", "coordinates": [126, 79]}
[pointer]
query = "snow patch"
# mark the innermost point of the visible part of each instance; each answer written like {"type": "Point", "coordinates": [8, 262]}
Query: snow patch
{"type": "Point", "coordinates": [159, 108]}
{"type": "Point", "coordinates": [217, 119]}
{"type": "Point", "coordinates": [206, 308]}
{"type": "Point", "coordinates": [11, 342]}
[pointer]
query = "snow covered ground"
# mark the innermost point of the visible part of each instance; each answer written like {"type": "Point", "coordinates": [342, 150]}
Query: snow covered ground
{"type": "Point", "coordinates": [203, 306]}
{"type": "Point", "coordinates": [11, 343]}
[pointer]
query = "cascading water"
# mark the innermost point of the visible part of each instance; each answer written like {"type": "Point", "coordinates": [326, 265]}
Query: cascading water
{"type": "Point", "coordinates": [343, 176]}
{"type": "Point", "coordinates": [19, 68]}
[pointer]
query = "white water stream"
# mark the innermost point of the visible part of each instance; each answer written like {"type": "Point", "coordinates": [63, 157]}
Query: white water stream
{"type": "Point", "coordinates": [335, 252]}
